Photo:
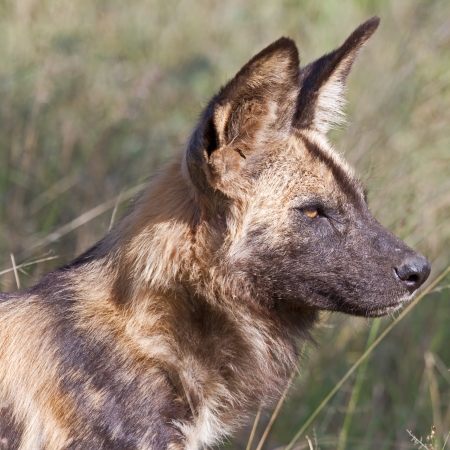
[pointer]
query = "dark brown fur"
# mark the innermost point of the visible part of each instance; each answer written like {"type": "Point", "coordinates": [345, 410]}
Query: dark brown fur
{"type": "Point", "coordinates": [187, 316]}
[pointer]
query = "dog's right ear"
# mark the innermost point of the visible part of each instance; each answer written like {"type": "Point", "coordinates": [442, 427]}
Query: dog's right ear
{"type": "Point", "coordinates": [245, 116]}
{"type": "Point", "coordinates": [321, 100]}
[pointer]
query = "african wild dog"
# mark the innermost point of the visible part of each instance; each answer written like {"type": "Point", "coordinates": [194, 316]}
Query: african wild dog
{"type": "Point", "coordinates": [187, 315]}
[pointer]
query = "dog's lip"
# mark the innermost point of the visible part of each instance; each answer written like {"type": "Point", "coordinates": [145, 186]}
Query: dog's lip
{"type": "Point", "coordinates": [384, 310]}
{"type": "Point", "coordinates": [375, 311]}
{"type": "Point", "coordinates": [391, 307]}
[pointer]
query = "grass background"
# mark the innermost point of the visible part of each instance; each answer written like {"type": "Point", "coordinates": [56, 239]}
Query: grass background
{"type": "Point", "coordinates": [94, 95]}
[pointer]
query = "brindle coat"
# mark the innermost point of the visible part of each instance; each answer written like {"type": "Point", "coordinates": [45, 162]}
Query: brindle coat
{"type": "Point", "coordinates": [187, 315]}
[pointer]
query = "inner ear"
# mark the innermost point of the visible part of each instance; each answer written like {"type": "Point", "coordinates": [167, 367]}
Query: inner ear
{"type": "Point", "coordinates": [255, 108]}
{"type": "Point", "coordinates": [211, 140]}
{"type": "Point", "coordinates": [256, 101]}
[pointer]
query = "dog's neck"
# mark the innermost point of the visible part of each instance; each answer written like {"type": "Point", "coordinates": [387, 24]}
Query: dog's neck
{"type": "Point", "coordinates": [225, 351]}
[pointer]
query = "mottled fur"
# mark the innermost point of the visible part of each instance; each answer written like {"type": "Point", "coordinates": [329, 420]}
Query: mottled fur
{"type": "Point", "coordinates": [187, 315]}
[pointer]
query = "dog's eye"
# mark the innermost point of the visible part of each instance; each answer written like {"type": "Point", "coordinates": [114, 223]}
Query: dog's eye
{"type": "Point", "coordinates": [311, 212]}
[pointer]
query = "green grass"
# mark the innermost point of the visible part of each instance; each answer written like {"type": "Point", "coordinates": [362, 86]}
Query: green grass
{"type": "Point", "coordinates": [97, 94]}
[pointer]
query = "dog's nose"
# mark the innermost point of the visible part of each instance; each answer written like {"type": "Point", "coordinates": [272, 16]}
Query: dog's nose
{"type": "Point", "coordinates": [413, 271]}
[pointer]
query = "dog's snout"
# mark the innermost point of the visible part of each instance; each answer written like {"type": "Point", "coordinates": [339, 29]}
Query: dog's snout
{"type": "Point", "coordinates": [413, 271]}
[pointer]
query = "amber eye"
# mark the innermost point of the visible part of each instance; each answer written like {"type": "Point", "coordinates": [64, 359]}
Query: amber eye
{"type": "Point", "coordinates": [311, 212]}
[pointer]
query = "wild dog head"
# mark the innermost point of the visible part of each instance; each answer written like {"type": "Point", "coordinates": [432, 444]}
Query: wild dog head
{"type": "Point", "coordinates": [286, 214]}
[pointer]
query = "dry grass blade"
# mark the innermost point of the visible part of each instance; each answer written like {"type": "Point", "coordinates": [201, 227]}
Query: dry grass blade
{"type": "Point", "coordinates": [16, 274]}
{"type": "Point", "coordinates": [281, 400]}
{"type": "Point", "coordinates": [37, 261]}
{"type": "Point", "coordinates": [116, 206]}
{"type": "Point", "coordinates": [364, 356]}
{"type": "Point", "coordinates": [417, 442]}
{"type": "Point", "coordinates": [356, 390]}
{"type": "Point", "coordinates": [61, 186]}
{"type": "Point", "coordinates": [434, 390]}
{"type": "Point", "coordinates": [84, 218]}
{"type": "Point", "coordinates": [252, 433]}
{"type": "Point", "coordinates": [445, 443]}
{"type": "Point", "coordinates": [277, 410]}
{"type": "Point", "coordinates": [439, 364]}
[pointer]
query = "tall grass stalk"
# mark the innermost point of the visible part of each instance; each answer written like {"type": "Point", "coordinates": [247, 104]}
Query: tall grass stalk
{"type": "Point", "coordinates": [84, 218]}
{"type": "Point", "coordinates": [357, 388]}
{"type": "Point", "coordinates": [30, 263]}
{"type": "Point", "coordinates": [16, 274]}
{"type": "Point", "coordinates": [434, 395]}
{"type": "Point", "coordinates": [364, 356]}
{"type": "Point", "coordinates": [445, 443]}
{"type": "Point", "coordinates": [276, 411]}
{"type": "Point", "coordinates": [252, 433]}
{"type": "Point", "coordinates": [281, 400]}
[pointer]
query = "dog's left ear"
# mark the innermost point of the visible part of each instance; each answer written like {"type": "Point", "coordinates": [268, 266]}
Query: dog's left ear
{"type": "Point", "coordinates": [321, 100]}
{"type": "Point", "coordinates": [256, 107]}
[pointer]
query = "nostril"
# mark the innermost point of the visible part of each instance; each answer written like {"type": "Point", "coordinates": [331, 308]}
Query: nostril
{"type": "Point", "coordinates": [413, 272]}
{"type": "Point", "coordinates": [413, 278]}
{"type": "Point", "coordinates": [407, 275]}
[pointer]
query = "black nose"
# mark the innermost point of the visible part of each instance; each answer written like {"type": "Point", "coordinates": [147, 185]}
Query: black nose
{"type": "Point", "coordinates": [413, 271]}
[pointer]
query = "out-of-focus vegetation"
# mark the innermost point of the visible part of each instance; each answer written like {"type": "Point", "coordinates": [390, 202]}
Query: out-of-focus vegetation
{"type": "Point", "coordinates": [94, 95]}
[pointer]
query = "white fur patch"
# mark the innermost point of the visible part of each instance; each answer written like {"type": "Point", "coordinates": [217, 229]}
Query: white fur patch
{"type": "Point", "coordinates": [330, 106]}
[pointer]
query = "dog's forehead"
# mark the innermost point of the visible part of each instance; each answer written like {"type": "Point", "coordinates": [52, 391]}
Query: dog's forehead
{"type": "Point", "coordinates": [307, 164]}
{"type": "Point", "coordinates": [318, 151]}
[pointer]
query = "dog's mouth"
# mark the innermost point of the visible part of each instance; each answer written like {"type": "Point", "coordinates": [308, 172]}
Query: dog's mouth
{"type": "Point", "coordinates": [375, 309]}
{"type": "Point", "coordinates": [384, 311]}
{"type": "Point", "coordinates": [390, 308]}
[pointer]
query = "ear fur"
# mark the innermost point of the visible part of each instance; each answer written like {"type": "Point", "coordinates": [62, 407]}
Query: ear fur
{"type": "Point", "coordinates": [253, 108]}
{"type": "Point", "coordinates": [261, 104]}
{"type": "Point", "coordinates": [321, 100]}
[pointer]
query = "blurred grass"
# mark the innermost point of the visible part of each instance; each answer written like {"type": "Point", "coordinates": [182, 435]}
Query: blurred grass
{"type": "Point", "coordinates": [96, 94]}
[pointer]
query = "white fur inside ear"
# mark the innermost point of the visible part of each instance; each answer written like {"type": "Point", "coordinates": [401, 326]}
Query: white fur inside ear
{"type": "Point", "coordinates": [221, 115]}
{"type": "Point", "coordinates": [330, 107]}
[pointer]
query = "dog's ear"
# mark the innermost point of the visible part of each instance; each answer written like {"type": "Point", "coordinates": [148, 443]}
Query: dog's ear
{"type": "Point", "coordinates": [249, 112]}
{"type": "Point", "coordinates": [320, 104]}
